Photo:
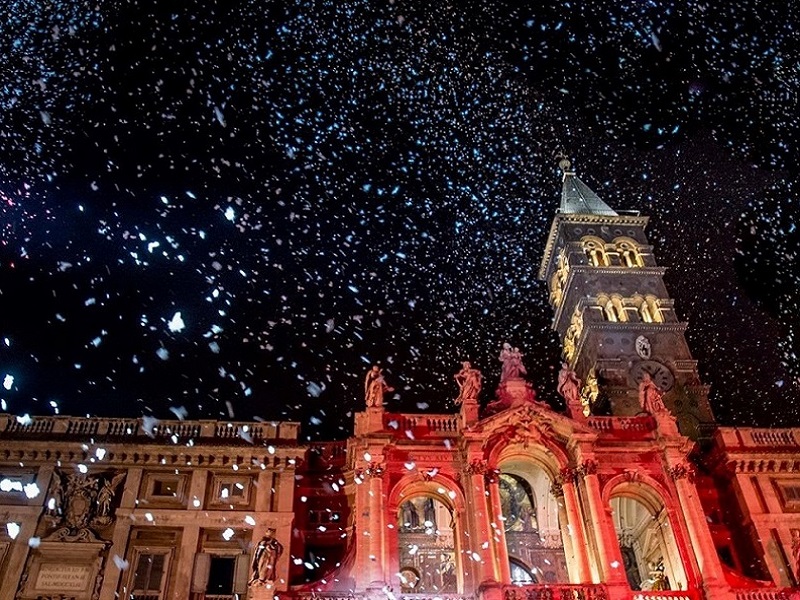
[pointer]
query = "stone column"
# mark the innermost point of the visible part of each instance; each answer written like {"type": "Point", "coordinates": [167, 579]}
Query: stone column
{"type": "Point", "coordinates": [702, 544]}
{"type": "Point", "coordinates": [185, 562]}
{"type": "Point", "coordinates": [118, 549]}
{"type": "Point", "coordinates": [197, 489]}
{"type": "Point", "coordinates": [377, 575]}
{"type": "Point", "coordinates": [611, 566]}
{"type": "Point", "coordinates": [499, 537]}
{"type": "Point", "coordinates": [480, 513]}
{"type": "Point", "coordinates": [565, 486]}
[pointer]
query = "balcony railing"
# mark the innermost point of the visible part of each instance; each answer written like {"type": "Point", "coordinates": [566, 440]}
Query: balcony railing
{"type": "Point", "coordinates": [410, 426]}
{"type": "Point", "coordinates": [622, 424]}
{"type": "Point", "coordinates": [558, 591]}
{"type": "Point", "coordinates": [127, 429]}
{"type": "Point", "coordinates": [763, 594]}
{"type": "Point", "coordinates": [665, 595]}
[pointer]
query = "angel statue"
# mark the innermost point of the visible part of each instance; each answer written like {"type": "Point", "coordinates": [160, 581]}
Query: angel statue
{"type": "Point", "coordinates": [375, 386]}
{"type": "Point", "coordinates": [512, 363]}
{"type": "Point", "coordinates": [469, 382]}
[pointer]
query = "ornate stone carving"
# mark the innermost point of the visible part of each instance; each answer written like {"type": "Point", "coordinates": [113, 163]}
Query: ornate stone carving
{"type": "Point", "coordinates": [650, 397]}
{"type": "Point", "coordinates": [587, 467]}
{"type": "Point", "coordinates": [557, 488]}
{"type": "Point", "coordinates": [512, 363]}
{"type": "Point", "coordinates": [375, 470]}
{"type": "Point", "coordinates": [568, 475]}
{"type": "Point", "coordinates": [590, 392]}
{"type": "Point", "coordinates": [81, 503]}
{"type": "Point", "coordinates": [477, 467]}
{"type": "Point", "coordinates": [681, 471]}
{"type": "Point", "coordinates": [632, 475]}
{"type": "Point", "coordinates": [569, 387]}
{"type": "Point", "coordinates": [551, 539]}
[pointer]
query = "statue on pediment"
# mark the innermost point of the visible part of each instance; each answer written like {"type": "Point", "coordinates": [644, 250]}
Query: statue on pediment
{"type": "Point", "coordinates": [469, 382]}
{"type": "Point", "coordinates": [374, 387]}
{"type": "Point", "coordinates": [512, 363]}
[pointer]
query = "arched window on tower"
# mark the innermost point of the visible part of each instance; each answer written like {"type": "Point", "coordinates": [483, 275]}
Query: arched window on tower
{"type": "Point", "coordinates": [651, 302]}
{"type": "Point", "coordinates": [595, 251]}
{"type": "Point", "coordinates": [629, 254]}
{"type": "Point", "coordinates": [607, 308]}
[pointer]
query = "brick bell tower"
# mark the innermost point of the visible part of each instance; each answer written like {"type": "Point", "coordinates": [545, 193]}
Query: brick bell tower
{"type": "Point", "coordinates": [613, 313]}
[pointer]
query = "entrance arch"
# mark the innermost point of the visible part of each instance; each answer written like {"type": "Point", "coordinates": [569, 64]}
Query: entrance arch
{"type": "Point", "coordinates": [646, 539]}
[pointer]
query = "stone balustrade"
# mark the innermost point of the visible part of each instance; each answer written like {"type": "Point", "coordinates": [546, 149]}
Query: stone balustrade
{"type": "Point", "coordinates": [410, 426]}
{"type": "Point", "coordinates": [556, 591]}
{"type": "Point", "coordinates": [121, 430]}
{"type": "Point", "coordinates": [642, 424]}
{"type": "Point", "coordinates": [665, 595]}
{"type": "Point", "coordinates": [768, 594]}
{"type": "Point", "coordinates": [734, 437]}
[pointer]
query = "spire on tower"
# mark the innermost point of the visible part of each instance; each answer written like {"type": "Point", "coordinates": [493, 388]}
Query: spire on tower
{"type": "Point", "coordinates": [577, 198]}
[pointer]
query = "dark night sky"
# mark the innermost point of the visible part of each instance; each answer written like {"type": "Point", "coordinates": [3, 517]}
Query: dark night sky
{"type": "Point", "coordinates": [318, 186]}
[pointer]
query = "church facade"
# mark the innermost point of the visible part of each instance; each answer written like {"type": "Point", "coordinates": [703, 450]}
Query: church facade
{"type": "Point", "coordinates": [632, 493]}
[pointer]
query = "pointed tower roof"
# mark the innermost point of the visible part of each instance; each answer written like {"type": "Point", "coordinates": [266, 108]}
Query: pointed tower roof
{"type": "Point", "coordinates": [577, 198]}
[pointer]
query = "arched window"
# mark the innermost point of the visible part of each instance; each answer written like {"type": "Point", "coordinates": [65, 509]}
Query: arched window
{"type": "Point", "coordinates": [648, 547]}
{"type": "Point", "coordinates": [532, 525]}
{"type": "Point", "coordinates": [595, 251]}
{"type": "Point", "coordinates": [427, 546]}
{"type": "Point", "coordinates": [628, 251]}
{"type": "Point", "coordinates": [651, 304]}
{"type": "Point", "coordinates": [618, 308]}
{"type": "Point", "coordinates": [520, 573]}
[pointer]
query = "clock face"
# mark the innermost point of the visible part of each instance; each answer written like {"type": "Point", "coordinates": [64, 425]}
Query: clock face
{"type": "Point", "coordinates": [660, 374]}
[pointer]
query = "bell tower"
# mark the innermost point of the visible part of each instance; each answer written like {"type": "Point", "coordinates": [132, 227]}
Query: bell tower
{"type": "Point", "coordinates": [613, 313]}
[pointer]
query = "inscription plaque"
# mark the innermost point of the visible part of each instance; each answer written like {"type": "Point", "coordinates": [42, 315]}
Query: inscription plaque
{"type": "Point", "coordinates": [63, 578]}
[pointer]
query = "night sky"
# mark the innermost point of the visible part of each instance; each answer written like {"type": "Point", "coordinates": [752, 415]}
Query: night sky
{"type": "Point", "coordinates": [233, 209]}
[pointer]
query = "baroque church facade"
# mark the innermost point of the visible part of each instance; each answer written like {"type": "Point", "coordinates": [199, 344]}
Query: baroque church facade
{"type": "Point", "coordinates": [632, 493]}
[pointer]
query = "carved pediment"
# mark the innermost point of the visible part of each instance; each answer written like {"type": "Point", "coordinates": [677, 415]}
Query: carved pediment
{"type": "Point", "coordinates": [530, 423]}
{"type": "Point", "coordinates": [525, 425]}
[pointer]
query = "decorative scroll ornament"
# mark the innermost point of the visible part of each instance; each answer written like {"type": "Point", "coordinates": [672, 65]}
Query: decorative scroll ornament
{"type": "Point", "coordinates": [643, 348]}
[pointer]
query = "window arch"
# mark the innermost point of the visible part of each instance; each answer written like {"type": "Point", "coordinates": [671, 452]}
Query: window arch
{"type": "Point", "coordinates": [533, 524]}
{"type": "Point", "coordinates": [647, 543]}
{"type": "Point", "coordinates": [629, 253]}
{"type": "Point", "coordinates": [520, 573]}
{"type": "Point", "coordinates": [426, 538]}
{"type": "Point", "coordinates": [595, 251]}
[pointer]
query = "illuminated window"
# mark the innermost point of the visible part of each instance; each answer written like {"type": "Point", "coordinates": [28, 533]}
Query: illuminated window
{"type": "Point", "coordinates": [629, 254]}
{"type": "Point", "coordinates": [595, 251]}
